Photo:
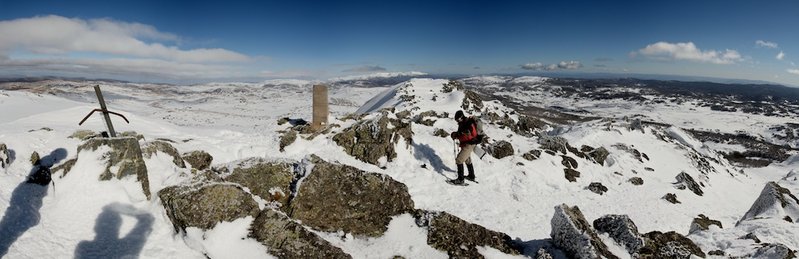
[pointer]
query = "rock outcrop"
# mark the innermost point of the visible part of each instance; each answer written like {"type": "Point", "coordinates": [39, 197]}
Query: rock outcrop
{"type": "Point", "coordinates": [597, 154]}
{"type": "Point", "coordinates": [5, 158]}
{"type": "Point", "coordinates": [669, 245]}
{"type": "Point", "coordinates": [500, 149]}
{"type": "Point", "coordinates": [371, 140]}
{"type": "Point", "coordinates": [288, 239]}
{"type": "Point", "coordinates": [206, 205]}
{"type": "Point", "coordinates": [198, 159]}
{"type": "Point", "coordinates": [269, 180]}
{"type": "Point", "coordinates": [597, 187]}
{"type": "Point", "coordinates": [670, 197]}
{"type": "Point", "coordinates": [532, 154]}
{"type": "Point", "coordinates": [334, 197]}
{"type": "Point", "coordinates": [460, 238]}
{"type": "Point", "coordinates": [83, 134]}
{"type": "Point", "coordinates": [125, 157]}
{"type": "Point", "coordinates": [622, 230]}
{"type": "Point", "coordinates": [152, 147]}
{"type": "Point", "coordinates": [571, 174]}
{"type": "Point", "coordinates": [685, 180]}
{"type": "Point", "coordinates": [556, 144]}
{"type": "Point", "coordinates": [636, 181]}
{"type": "Point", "coordinates": [574, 235]}
{"type": "Point", "coordinates": [774, 251]}
{"type": "Point", "coordinates": [774, 202]}
{"type": "Point", "coordinates": [701, 223]}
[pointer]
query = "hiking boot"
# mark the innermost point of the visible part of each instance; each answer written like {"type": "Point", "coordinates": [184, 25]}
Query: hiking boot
{"type": "Point", "coordinates": [470, 177]}
{"type": "Point", "coordinates": [460, 172]}
{"type": "Point", "coordinates": [458, 181]}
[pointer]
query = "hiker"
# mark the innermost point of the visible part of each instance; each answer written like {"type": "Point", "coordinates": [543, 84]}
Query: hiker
{"type": "Point", "coordinates": [467, 134]}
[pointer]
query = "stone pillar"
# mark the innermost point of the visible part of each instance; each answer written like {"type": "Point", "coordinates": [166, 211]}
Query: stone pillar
{"type": "Point", "coordinates": [320, 109]}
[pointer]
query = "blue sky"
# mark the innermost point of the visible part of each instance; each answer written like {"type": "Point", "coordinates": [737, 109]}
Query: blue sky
{"type": "Point", "coordinates": [230, 40]}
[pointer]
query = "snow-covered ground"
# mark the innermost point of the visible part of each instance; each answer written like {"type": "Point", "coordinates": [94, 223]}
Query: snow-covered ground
{"type": "Point", "coordinates": [79, 216]}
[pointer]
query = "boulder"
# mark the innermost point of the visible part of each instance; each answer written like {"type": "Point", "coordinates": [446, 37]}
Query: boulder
{"type": "Point", "coordinates": [83, 134]}
{"type": "Point", "coordinates": [206, 205]}
{"type": "Point", "coordinates": [532, 154]}
{"type": "Point", "coordinates": [636, 180]}
{"type": "Point", "coordinates": [5, 158]}
{"type": "Point", "coordinates": [131, 134]}
{"type": "Point", "coordinates": [471, 102]}
{"type": "Point", "coordinates": [35, 158]}
{"type": "Point", "coordinates": [597, 187]}
{"type": "Point", "coordinates": [64, 167]}
{"type": "Point", "coordinates": [571, 174]}
{"type": "Point", "coordinates": [441, 133]}
{"type": "Point", "coordinates": [702, 223]}
{"type": "Point", "coordinates": [198, 159]}
{"type": "Point", "coordinates": [287, 139]}
{"type": "Point", "coordinates": [460, 238]}
{"type": "Point", "coordinates": [568, 162]}
{"type": "Point", "coordinates": [288, 239]}
{"type": "Point", "coordinates": [371, 140]}
{"type": "Point", "coordinates": [574, 235]}
{"type": "Point", "coordinates": [599, 155]}
{"type": "Point", "coordinates": [528, 126]}
{"type": "Point", "coordinates": [774, 202]}
{"type": "Point", "coordinates": [670, 197]}
{"type": "Point", "coordinates": [622, 230]}
{"type": "Point", "coordinates": [668, 245]}
{"type": "Point", "coordinates": [751, 236]}
{"type": "Point", "coordinates": [334, 197]}
{"type": "Point", "coordinates": [685, 180]}
{"type": "Point", "coordinates": [556, 144]}
{"type": "Point", "coordinates": [150, 148]}
{"type": "Point", "coordinates": [269, 180]}
{"type": "Point", "coordinates": [125, 157]}
{"type": "Point", "coordinates": [774, 251]}
{"type": "Point", "coordinates": [500, 149]}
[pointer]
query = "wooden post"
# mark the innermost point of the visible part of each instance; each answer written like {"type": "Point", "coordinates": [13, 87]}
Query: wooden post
{"type": "Point", "coordinates": [111, 131]}
{"type": "Point", "coordinates": [320, 107]}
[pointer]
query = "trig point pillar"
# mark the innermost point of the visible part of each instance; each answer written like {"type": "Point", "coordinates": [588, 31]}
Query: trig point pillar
{"type": "Point", "coordinates": [320, 109]}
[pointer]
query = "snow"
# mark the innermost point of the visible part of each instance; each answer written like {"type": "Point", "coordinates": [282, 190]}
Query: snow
{"type": "Point", "coordinates": [238, 121]}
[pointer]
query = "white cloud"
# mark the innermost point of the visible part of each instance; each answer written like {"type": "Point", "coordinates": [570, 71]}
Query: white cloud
{"type": "Point", "coordinates": [122, 67]}
{"type": "Point", "coordinates": [563, 65]}
{"type": "Point", "coordinates": [57, 35]}
{"type": "Point", "coordinates": [793, 71]}
{"type": "Point", "coordinates": [781, 55]}
{"type": "Point", "coordinates": [687, 51]}
{"type": "Point", "coordinates": [766, 44]}
{"type": "Point", "coordinates": [366, 68]}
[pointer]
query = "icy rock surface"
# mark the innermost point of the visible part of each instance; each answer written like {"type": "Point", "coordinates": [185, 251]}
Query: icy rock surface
{"type": "Point", "coordinates": [622, 230]}
{"type": "Point", "coordinates": [574, 235]}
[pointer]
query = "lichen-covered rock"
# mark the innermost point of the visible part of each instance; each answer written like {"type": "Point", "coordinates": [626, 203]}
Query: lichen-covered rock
{"type": "Point", "coordinates": [543, 254]}
{"type": "Point", "coordinates": [198, 159]}
{"type": "Point", "coordinates": [622, 230]}
{"type": "Point", "coordinates": [668, 245]}
{"type": "Point", "coordinates": [269, 180]}
{"type": "Point", "coordinates": [636, 180]}
{"type": "Point", "coordinates": [685, 180]}
{"type": "Point", "coordinates": [35, 158]}
{"type": "Point", "coordinates": [125, 156]}
{"type": "Point", "coordinates": [568, 162]}
{"type": "Point", "coordinates": [441, 133]}
{"type": "Point", "coordinates": [64, 167]}
{"type": "Point", "coordinates": [288, 239]}
{"type": "Point", "coordinates": [371, 140]}
{"type": "Point", "coordinates": [131, 134]}
{"type": "Point", "coordinates": [574, 235]}
{"type": "Point", "coordinates": [471, 102]}
{"type": "Point", "coordinates": [702, 222]}
{"type": "Point", "coordinates": [670, 197]}
{"type": "Point", "coordinates": [460, 238]}
{"type": "Point", "coordinates": [774, 251]}
{"type": "Point", "coordinates": [556, 144]}
{"type": "Point", "coordinates": [287, 139]}
{"type": "Point", "coordinates": [597, 187]}
{"type": "Point", "coordinates": [528, 126]}
{"type": "Point", "coordinates": [532, 154]}
{"type": "Point", "coordinates": [150, 148]}
{"type": "Point", "coordinates": [205, 206]}
{"type": "Point", "coordinates": [774, 202]}
{"type": "Point", "coordinates": [571, 174]}
{"type": "Point", "coordinates": [5, 158]}
{"type": "Point", "coordinates": [83, 134]}
{"type": "Point", "coordinates": [599, 155]}
{"type": "Point", "coordinates": [335, 197]}
{"type": "Point", "coordinates": [500, 149]}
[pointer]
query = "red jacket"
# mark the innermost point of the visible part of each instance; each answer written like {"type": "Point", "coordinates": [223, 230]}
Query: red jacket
{"type": "Point", "coordinates": [467, 132]}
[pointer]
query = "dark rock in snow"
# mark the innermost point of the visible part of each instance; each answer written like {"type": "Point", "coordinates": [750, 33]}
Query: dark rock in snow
{"type": "Point", "coordinates": [287, 139]}
{"type": "Point", "coordinates": [685, 180]}
{"type": "Point", "coordinates": [337, 197]}
{"type": "Point", "coordinates": [471, 102]}
{"type": "Point", "coordinates": [35, 158]}
{"type": "Point", "coordinates": [636, 180]}
{"type": "Point", "coordinates": [5, 158]}
{"type": "Point", "coordinates": [671, 198]}
{"type": "Point", "coordinates": [83, 134]}
{"type": "Point", "coordinates": [151, 148]}
{"type": "Point", "coordinates": [597, 188]}
{"type": "Point", "coordinates": [370, 140]}
{"type": "Point", "coordinates": [775, 251]}
{"type": "Point", "coordinates": [774, 202]}
{"type": "Point", "coordinates": [500, 149]}
{"type": "Point", "coordinates": [716, 253]}
{"type": "Point", "coordinates": [460, 238]}
{"type": "Point", "coordinates": [532, 154]}
{"type": "Point", "coordinates": [198, 159]}
{"type": "Point", "coordinates": [622, 230]}
{"type": "Point", "coordinates": [269, 180]}
{"type": "Point", "coordinates": [574, 235]}
{"type": "Point", "coordinates": [288, 239]}
{"type": "Point", "coordinates": [205, 206]}
{"type": "Point", "coordinates": [568, 162]}
{"type": "Point", "coordinates": [752, 237]}
{"type": "Point", "coordinates": [556, 144]}
{"type": "Point", "coordinates": [669, 245]}
{"type": "Point", "coordinates": [64, 167]}
{"type": "Point", "coordinates": [599, 155]}
{"type": "Point", "coordinates": [441, 133]}
{"type": "Point", "coordinates": [125, 156]}
{"type": "Point", "coordinates": [702, 222]}
{"type": "Point", "coordinates": [571, 174]}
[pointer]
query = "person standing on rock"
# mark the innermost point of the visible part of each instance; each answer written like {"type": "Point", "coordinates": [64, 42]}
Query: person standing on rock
{"type": "Point", "coordinates": [468, 136]}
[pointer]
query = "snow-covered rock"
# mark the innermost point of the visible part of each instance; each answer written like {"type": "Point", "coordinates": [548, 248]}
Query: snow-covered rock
{"type": "Point", "coordinates": [622, 230]}
{"type": "Point", "coordinates": [151, 148]}
{"type": "Point", "coordinates": [500, 149]}
{"type": "Point", "coordinates": [204, 205]}
{"type": "Point", "coordinates": [774, 202]}
{"type": "Point", "coordinates": [685, 180]}
{"type": "Point", "coordinates": [269, 180]}
{"type": "Point", "coordinates": [124, 158]}
{"type": "Point", "coordinates": [198, 159]}
{"type": "Point", "coordinates": [286, 238]}
{"type": "Point", "coordinates": [461, 239]}
{"type": "Point", "coordinates": [574, 235]}
{"type": "Point", "coordinates": [669, 245]}
{"type": "Point", "coordinates": [702, 222]}
{"type": "Point", "coordinates": [5, 158]}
